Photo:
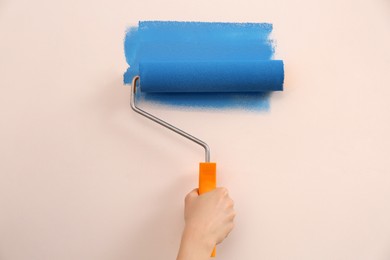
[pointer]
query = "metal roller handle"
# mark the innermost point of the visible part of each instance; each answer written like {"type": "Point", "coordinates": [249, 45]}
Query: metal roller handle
{"type": "Point", "coordinates": [163, 123]}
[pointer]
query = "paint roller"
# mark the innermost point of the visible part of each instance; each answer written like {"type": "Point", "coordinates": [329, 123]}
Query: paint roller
{"type": "Point", "coordinates": [205, 77]}
{"type": "Point", "coordinates": [200, 57]}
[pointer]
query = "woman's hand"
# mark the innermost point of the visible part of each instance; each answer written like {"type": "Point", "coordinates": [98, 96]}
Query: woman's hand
{"type": "Point", "coordinates": [208, 221]}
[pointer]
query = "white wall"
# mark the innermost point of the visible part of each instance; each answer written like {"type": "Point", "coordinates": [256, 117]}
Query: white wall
{"type": "Point", "coordinates": [83, 177]}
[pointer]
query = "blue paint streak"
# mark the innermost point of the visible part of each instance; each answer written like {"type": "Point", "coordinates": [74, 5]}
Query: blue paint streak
{"type": "Point", "coordinates": [155, 41]}
{"type": "Point", "coordinates": [253, 101]}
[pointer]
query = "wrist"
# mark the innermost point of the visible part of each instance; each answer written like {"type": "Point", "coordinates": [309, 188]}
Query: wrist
{"type": "Point", "coordinates": [195, 245]}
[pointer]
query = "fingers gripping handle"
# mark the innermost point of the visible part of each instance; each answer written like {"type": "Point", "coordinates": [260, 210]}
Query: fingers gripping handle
{"type": "Point", "coordinates": [207, 180]}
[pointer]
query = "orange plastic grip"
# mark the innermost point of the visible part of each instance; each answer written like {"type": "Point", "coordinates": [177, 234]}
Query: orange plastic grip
{"type": "Point", "coordinates": [207, 180]}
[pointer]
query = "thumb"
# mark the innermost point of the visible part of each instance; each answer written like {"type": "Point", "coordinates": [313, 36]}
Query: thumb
{"type": "Point", "coordinates": [193, 194]}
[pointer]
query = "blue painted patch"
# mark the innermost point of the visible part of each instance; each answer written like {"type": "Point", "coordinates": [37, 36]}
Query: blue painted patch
{"type": "Point", "coordinates": [155, 42]}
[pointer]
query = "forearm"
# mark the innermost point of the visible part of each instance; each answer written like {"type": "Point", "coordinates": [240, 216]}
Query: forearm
{"type": "Point", "coordinates": [194, 246]}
